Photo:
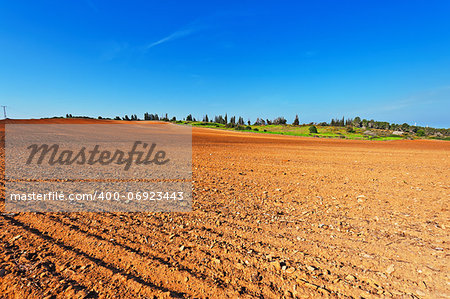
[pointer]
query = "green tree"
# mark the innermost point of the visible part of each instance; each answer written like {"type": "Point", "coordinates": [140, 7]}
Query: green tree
{"type": "Point", "coordinates": [364, 123]}
{"type": "Point", "coordinates": [420, 133]}
{"type": "Point", "coordinates": [296, 121]}
{"type": "Point", "coordinates": [405, 127]}
{"type": "Point", "coordinates": [279, 121]}
{"type": "Point", "coordinates": [357, 122]}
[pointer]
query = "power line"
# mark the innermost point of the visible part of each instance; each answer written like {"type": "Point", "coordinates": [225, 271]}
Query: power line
{"type": "Point", "coordinates": [4, 110]}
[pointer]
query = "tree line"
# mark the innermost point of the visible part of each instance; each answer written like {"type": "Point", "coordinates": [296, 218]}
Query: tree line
{"type": "Point", "coordinates": [238, 122]}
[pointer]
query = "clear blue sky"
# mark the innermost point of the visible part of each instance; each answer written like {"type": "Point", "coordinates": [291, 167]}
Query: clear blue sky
{"type": "Point", "coordinates": [386, 60]}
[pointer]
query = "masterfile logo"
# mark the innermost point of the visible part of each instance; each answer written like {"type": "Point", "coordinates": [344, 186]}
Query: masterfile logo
{"type": "Point", "coordinates": [53, 155]}
{"type": "Point", "coordinates": [98, 167]}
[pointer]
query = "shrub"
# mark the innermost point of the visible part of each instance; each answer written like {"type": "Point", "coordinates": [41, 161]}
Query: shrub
{"type": "Point", "coordinates": [313, 129]}
{"type": "Point", "coordinates": [350, 129]}
{"type": "Point", "coordinates": [255, 129]}
{"type": "Point", "coordinates": [248, 128]}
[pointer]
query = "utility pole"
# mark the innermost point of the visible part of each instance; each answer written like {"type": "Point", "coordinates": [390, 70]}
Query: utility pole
{"type": "Point", "coordinates": [4, 110]}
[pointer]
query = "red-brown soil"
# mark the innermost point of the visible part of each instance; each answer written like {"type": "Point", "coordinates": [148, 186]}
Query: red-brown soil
{"type": "Point", "coordinates": [273, 216]}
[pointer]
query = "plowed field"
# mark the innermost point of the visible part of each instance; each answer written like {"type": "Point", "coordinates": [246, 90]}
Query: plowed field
{"type": "Point", "coordinates": [273, 216]}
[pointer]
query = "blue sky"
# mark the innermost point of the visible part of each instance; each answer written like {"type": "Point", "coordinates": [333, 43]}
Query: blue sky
{"type": "Point", "coordinates": [386, 60]}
